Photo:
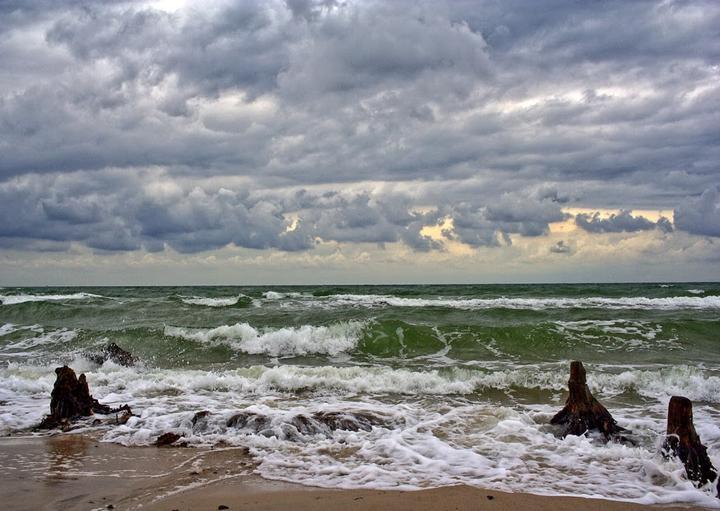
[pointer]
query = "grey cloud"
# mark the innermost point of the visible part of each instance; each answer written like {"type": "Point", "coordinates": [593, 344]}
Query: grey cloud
{"type": "Point", "coordinates": [700, 215]}
{"type": "Point", "coordinates": [483, 111]}
{"type": "Point", "coordinates": [512, 213]}
{"type": "Point", "coordinates": [120, 212]}
{"type": "Point", "coordinates": [620, 222]}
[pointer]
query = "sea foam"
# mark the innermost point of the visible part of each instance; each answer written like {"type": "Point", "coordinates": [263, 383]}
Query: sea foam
{"type": "Point", "coordinates": [213, 302]}
{"type": "Point", "coordinates": [281, 342]}
{"type": "Point", "coordinates": [591, 302]}
{"type": "Point", "coordinates": [23, 298]}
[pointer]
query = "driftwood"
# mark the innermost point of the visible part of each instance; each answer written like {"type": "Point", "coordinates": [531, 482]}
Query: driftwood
{"type": "Point", "coordinates": [582, 412]}
{"type": "Point", "coordinates": [70, 399]}
{"type": "Point", "coordinates": [683, 441]}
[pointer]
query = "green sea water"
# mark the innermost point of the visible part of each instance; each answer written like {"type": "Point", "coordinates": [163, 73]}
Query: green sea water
{"type": "Point", "coordinates": [474, 372]}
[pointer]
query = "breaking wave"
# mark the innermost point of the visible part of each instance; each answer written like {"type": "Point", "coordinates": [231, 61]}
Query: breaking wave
{"type": "Point", "coordinates": [23, 298]}
{"type": "Point", "coordinates": [281, 342]}
{"type": "Point", "coordinates": [596, 302]}
{"type": "Point", "coordinates": [231, 301]}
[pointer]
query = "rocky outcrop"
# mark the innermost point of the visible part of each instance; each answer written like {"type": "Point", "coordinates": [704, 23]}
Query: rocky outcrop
{"type": "Point", "coordinates": [71, 399]}
{"type": "Point", "coordinates": [683, 441]}
{"type": "Point", "coordinates": [582, 412]}
{"type": "Point", "coordinates": [114, 353]}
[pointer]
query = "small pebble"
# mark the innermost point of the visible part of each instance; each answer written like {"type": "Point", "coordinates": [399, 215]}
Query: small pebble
{"type": "Point", "coordinates": [490, 497]}
{"type": "Point", "coordinates": [221, 506]}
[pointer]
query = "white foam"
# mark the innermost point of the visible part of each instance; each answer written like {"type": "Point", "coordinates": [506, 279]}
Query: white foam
{"type": "Point", "coordinates": [618, 334]}
{"type": "Point", "coordinates": [696, 291]}
{"type": "Point", "coordinates": [275, 295]}
{"type": "Point", "coordinates": [282, 342]}
{"type": "Point", "coordinates": [428, 442]}
{"type": "Point", "coordinates": [596, 302]}
{"type": "Point", "coordinates": [8, 328]}
{"type": "Point", "coordinates": [23, 298]}
{"type": "Point", "coordinates": [213, 302]}
{"type": "Point", "coordinates": [55, 337]}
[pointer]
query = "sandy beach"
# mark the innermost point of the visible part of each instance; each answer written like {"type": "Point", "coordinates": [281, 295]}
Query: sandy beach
{"type": "Point", "coordinates": [75, 472]}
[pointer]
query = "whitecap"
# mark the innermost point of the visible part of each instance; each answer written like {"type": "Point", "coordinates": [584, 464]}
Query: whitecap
{"type": "Point", "coordinates": [213, 302]}
{"type": "Point", "coordinates": [23, 298]}
{"type": "Point", "coordinates": [596, 302]}
{"type": "Point", "coordinates": [281, 342]}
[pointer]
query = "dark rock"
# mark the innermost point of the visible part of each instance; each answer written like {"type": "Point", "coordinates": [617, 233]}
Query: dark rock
{"type": "Point", "coordinates": [319, 423]}
{"type": "Point", "coordinates": [222, 506]}
{"type": "Point", "coordinates": [114, 353]}
{"type": "Point", "coordinates": [71, 399]}
{"type": "Point", "coordinates": [248, 420]}
{"type": "Point", "coordinates": [167, 439]}
{"type": "Point", "coordinates": [199, 420]}
{"type": "Point", "coordinates": [582, 412]}
{"type": "Point", "coordinates": [199, 415]}
{"type": "Point", "coordinates": [683, 441]}
{"type": "Point", "coordinates": [350, 421]}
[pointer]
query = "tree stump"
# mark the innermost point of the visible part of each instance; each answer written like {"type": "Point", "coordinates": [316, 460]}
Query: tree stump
{"type": "Point", "coordinates": [683, 441]}
{"type": "Point", "coordinates": [70, 399]}
{"type": "Point", "coordinates": [582, 411]}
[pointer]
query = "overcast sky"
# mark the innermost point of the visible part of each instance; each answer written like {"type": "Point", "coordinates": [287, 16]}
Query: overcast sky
{"type": "Point", "coordinates": [306, 141]}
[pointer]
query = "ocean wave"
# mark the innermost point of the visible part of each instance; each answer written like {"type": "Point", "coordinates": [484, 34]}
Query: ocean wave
{"type": "Point", "coordinates": [216, 302]}
{"type": "Point", "coordinates": [23, 298]}
{"type": "Point", "coordinates": [41, 338]}
{"type": "Point", "coordinates": [596, 302]}
{"type": "Point", "coordinates": [129, 383]}
{"type": "Point", "coordinates": [429, 444]}
{"type": "Point", "coordinates": [275, 295]}
{"type": "Point", "coordinates": [281, 342]}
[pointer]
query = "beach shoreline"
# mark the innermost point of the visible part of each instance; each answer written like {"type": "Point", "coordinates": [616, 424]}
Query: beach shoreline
{"type": "Point", "coordinates": [78, 472]}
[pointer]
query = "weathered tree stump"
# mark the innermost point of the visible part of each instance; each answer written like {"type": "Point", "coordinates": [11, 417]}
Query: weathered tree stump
{"type": "Point", "coordinates": [683, 441]}
{"type": "Point", "coordinates": [71, 399]}
{"type": "Point", "coordinates": [582, 412]}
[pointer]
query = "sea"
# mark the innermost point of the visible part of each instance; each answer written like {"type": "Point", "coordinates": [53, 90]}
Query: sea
{"type": "Point", "coordinates": [461, 380]}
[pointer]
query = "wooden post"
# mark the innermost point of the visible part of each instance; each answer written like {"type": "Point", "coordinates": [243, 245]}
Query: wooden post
{"type": "Point", "coordinates": [683, 441]}
{"type": "Point", "coordinates": [582, 412]}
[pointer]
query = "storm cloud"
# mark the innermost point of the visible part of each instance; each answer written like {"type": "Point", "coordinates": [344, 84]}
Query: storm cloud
{"type": "Point", "coordinates": [620, 222]}
{"type": "Point", "coordinates": [128, 126]}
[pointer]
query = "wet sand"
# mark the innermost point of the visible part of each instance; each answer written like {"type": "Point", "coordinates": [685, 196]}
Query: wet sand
{"type": "Point", "coordinates": [75, 472]}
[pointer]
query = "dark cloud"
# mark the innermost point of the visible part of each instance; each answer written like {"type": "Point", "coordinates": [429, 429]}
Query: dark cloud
{"type": "Point", "coordinates": [700, 215]}
{"type": "Point", "coordinates": [620, 222]}
{"type": "Point", "coordinates": [404, 114]}
{"type": "Point", "coordinates": [491, 224]}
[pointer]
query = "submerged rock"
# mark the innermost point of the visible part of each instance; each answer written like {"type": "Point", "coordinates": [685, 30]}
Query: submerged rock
{"type": "Point", "coordinates": [248, 420]}
{"type": "Point", "coordinates": [114, 353]}
{"type": "Point", "coordinates": [319, 423]}
{"type": "Point", "coordinates": [683, 441]}
{"type": "Point", "coordinates": [70, 399]}
{"type": "Point", "coordinates": [351, 421]}
{"type": "Point", "coordinates": [167, 439]}
{"type": "Point", "coordinates": [582, 412]}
